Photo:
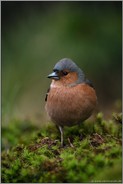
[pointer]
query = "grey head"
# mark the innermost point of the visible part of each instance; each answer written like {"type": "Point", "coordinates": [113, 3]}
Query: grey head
{"type": "Point", "coordinates": [68, 64]}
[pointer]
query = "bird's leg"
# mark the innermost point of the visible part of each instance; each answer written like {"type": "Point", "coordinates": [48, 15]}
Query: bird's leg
{"type": "Point", "coordinates": [62, 135]}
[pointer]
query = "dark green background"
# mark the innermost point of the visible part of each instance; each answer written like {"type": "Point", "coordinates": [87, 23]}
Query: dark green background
{"type": "Point", "coordinates": [35, 35]}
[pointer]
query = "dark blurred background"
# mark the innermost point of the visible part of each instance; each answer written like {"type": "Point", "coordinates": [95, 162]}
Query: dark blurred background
{"type": "Point", "coordinates": [35, 35]}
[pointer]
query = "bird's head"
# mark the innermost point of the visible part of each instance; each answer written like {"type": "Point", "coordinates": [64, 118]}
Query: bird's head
{"type": "Point", "coordinates": [67, 73]}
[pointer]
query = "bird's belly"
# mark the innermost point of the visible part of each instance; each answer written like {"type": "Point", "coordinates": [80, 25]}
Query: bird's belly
{"type": "Point", "coordinates": [69, 107]}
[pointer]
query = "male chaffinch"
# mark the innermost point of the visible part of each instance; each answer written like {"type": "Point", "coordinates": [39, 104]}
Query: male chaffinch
{"type": "Point", "coordinates": [71, 97]}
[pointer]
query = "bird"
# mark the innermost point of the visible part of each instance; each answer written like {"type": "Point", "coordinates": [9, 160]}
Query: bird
{"type": "Point", "coordinates": [71, 98]}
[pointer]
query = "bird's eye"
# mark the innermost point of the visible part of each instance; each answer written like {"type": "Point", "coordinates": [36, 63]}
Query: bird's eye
{"type": "Point", "coordinates": [55, 70]}
{"type": "Point", "coordinates": [64, 72]}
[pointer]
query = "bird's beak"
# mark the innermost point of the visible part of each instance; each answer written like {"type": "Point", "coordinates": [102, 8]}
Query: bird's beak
{"type": "Point", "coordinates": [53, 75]}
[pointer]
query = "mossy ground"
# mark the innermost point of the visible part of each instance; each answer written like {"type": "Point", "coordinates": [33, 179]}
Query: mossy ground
{"type": "Point", "coordinates": [34, 155]}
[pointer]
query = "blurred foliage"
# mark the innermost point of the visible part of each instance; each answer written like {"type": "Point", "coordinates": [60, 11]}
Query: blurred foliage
{"type": "Point", "coordinates": [35, 35]}
{"type": "Point", "coordinates": [96, 155]}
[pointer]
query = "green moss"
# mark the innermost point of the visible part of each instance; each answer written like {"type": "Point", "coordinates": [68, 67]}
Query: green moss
{"type": "Point", "coordinates": [17, 131]}
{"type": "Point", "coordinates": [36, 156]}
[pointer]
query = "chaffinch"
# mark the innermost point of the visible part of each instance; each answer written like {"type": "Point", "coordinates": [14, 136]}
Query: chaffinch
{"type": "Point", "coordinates": [71, 97]}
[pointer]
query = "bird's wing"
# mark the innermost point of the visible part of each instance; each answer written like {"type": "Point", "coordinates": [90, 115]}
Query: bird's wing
{"type": "Point", "coordinates": [47, 94]}
{"type": "Point", "coordinates": [89, 83]}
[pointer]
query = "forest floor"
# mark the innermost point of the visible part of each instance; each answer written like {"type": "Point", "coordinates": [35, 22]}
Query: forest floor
{"type": "Point", "coordinates": [92, 152]}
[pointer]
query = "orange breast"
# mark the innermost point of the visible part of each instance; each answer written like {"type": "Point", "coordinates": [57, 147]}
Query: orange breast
{"type": "Point", "coordinates": [71, 105]}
